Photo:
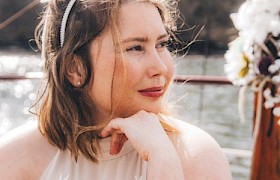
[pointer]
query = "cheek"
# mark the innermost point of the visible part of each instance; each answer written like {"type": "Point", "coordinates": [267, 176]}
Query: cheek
{"type": "Point", "coordinates": [168, 60]}
{"type": "Point", "coordinates": [134, 74]}
{"type": "Point", "coordinates": [100, 88]}
{"type": "Point", "coordinates": [134, 70]}
{"type": "Point", "coordinates": [171, 70]}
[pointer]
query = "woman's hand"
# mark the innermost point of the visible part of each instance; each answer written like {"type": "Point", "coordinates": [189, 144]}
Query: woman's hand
{"type": "Point", "coordinates": [149, 139]}
{"type": "Point", "coordinates": [144, 131]}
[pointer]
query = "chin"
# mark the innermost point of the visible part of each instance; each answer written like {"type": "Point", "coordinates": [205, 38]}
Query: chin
{"type": "Point", "coordinates": [127, 109]}
{"type": "Point", "coordinates": [130, 112]}
{"type": "Point", "coordinates": [154, 109]}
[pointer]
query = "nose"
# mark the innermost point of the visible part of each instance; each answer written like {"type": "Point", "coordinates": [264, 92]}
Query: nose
{"type": "Point", "coordinates": [157, 64]}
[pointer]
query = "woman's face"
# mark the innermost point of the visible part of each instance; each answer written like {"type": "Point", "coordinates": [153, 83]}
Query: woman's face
{"type": "Point", "coordinates": [148, 70]}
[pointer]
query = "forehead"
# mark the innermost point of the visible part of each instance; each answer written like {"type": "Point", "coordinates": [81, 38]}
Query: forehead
{"type": "Point", "coordinates": [140, 17]}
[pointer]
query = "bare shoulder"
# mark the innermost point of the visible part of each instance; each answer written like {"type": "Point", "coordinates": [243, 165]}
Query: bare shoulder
{"type": "Point", "coordinates": [201, 156]}
{"type": "Point", "coordinates": [24, 153]}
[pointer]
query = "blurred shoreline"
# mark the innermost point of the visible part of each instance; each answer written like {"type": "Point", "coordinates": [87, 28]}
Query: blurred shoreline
{"type": "Point", "coordinates": [212, 17]}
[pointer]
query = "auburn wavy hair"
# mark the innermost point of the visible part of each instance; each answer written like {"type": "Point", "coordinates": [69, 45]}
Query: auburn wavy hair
{"type": "Point", "coordinates": [66, 114]}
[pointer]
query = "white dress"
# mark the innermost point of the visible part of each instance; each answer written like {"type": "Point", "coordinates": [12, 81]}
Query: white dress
{"type": "Point", "coordinates": [127, 165]}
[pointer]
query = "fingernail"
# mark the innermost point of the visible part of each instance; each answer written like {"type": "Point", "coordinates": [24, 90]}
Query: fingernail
{"type": "Point", "coordinates": [113, 151]}
{"type": "Point", "coordinates": [100, 134]}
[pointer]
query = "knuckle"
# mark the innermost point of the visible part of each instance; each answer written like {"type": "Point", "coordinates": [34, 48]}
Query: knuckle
{"type": "Point", "coordinates": [142, 112]}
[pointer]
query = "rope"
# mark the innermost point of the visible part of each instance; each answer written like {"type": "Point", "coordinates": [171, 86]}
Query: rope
{"type": "Point", "coordinates": [259, 90]}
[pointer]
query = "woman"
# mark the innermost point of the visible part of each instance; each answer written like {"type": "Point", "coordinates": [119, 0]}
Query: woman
{"type": "Point", "coordinates": [101, 114]}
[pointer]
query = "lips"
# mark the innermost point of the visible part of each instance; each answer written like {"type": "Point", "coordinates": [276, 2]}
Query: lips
{"type": "Point", "coordinates": [154, 92]}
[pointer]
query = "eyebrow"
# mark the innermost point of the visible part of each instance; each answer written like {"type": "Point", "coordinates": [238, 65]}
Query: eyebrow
{"type": "Point", "coordinates": [143, 39]}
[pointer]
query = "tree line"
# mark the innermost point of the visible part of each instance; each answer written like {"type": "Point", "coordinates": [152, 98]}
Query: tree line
{"type": "Point", "coordinates": [205, 24]}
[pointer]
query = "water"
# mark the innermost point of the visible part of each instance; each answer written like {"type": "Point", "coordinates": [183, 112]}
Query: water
{"type": "Point", "coordinates": [210, 107]}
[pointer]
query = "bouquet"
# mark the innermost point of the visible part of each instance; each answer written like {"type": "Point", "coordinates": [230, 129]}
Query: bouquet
{"type": "Point", "coordinates": [253, 58]}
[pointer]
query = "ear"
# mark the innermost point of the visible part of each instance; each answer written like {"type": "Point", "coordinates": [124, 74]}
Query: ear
{"type": "Point", "coordinates": [75, 72]}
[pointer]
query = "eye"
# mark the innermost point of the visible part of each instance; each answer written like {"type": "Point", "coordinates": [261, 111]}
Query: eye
{"type": "Point", "coordinates": [163, 44]}
{"type": "Point", "coordinates": [135, 48]}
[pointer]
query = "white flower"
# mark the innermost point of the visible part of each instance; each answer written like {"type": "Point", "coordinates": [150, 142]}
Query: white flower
{"type": "Point", "coordinates": [277, 62]}
{"type": "Point", "coordinates": [276, 111]}
{"type": "Point", "coordinates": [273, 68]}
{"type": "Point", "coordinates": [255, 19]}
{"type": "Point", "coordinates": [249, 56]}
{"type": "Point", "coordinates": [238, 68]}
{"type": "Point", "coordinates": [275, 27]}
{"type": "Point", "coordinates": [276, 79]}
{"type": "Point", "coordinates": [269, 104]}
{"type": "Point", "coordinates": [267, 93]}
{"type": "Point", "coordinates": [277, 99]}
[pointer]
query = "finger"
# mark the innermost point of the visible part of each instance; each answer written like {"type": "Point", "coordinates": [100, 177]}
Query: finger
{"type": "Point", "coordinates": [122, 141]}
{"type": "Point", "coordinates": [108, 130]}
{"type": "Point", "coordinates": [124, 138]}
{"type": "Point", "coordinates": [115, 142]}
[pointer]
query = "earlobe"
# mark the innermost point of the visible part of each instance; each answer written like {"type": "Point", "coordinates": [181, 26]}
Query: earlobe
{"type": "Point", "coordinates": [75, 72]}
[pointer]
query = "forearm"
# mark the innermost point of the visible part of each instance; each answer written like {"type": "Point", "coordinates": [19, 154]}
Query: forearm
{"type": "Point", "coordinates": [165, 166]}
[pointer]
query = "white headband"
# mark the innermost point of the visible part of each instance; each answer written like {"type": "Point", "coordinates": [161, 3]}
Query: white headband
{"type": "Point", "coordinates": [64, 21]}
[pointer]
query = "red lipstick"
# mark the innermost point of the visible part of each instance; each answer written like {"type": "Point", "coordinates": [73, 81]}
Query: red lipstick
{"type": "Point", "coordinates": [154, 92]}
